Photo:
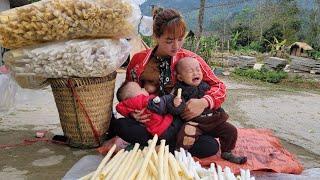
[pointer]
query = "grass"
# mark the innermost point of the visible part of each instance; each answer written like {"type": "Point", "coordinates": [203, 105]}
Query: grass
{"type": "Point", "coordinates": [289, 84]}
{"type": "Point", "coordinates": [299, 82]}
{"type": "Point", "coordinates": [262, 75]}
{"type": "Point", "coordinates": [13, 114]}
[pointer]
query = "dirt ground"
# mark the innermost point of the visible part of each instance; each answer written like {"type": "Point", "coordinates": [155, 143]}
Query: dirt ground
{"type": "Point", "coordinates": [293, 116]}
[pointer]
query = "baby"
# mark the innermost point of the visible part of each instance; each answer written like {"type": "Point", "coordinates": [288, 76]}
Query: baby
{"type": "Point", "coordinates": [210, 122]}
{"type": "Point", "coordinates": [132, 97]}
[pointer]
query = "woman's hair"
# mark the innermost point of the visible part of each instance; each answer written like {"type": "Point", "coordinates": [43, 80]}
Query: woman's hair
{"type": "Point", "coordinates": [168, 21]}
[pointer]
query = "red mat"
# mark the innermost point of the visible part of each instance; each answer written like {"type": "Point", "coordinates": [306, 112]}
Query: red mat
{"type": "Point", "coordinates": [264, 152]}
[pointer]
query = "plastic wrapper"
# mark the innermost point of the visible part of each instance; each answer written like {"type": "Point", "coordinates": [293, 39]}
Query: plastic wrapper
{"type": "Point", "coordinates": [75, 58]}
{"type": "Point", "coordinates": [146, 26]}
{"type": "Point", "coordinates": [84, 166]}
{"type": "Point", "coordinates": [8, 90]}
{"type": "Point", "coordinates": [54, 20]}
{"type": "Point", "coordinates": [30, 81]}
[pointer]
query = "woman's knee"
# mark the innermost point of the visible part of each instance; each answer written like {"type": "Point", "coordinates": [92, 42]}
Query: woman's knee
{"type": "Point", "coordinates": [205, 146]}
{"type": "Point", "coordinates": [126, 126]}
{"type": "Point", "coordinates": [118, 124]}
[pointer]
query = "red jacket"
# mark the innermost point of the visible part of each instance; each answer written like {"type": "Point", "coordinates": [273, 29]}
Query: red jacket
{"type": "Point", "coordinates": [215, 96]}
{"type": "Point", "coordinates": [157, 124]}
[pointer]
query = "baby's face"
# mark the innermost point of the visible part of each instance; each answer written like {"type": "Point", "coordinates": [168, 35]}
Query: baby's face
{"type": "Point", "coordinates": [134, 89]}
{"type": "Point", "coordinates": [189, 71]}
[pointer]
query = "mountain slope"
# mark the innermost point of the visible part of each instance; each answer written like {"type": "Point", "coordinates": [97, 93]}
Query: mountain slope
{"type": "Point", "coordinates": [217, 9]}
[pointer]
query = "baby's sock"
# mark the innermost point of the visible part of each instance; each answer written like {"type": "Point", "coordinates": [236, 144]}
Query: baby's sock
{"type": "Point", "coordinates": [233, 158]}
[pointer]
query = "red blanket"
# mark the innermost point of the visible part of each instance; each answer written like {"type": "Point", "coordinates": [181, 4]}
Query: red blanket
{"type": "Point", "coordinates": [264, 152]}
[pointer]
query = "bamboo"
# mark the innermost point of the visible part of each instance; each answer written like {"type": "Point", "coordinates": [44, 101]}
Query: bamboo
{"type": "Point", "coordinates": [160, 159]}
{"type": "Point", "coordinates": [165, 162]}
{"type": "Point", "coordinates": [116, 166]}
{"type": "Point", "coordinates": [173, 166]}
{"type": "Point", "coordinates": [103, 162]}
{"type": "Point", "coordinates": [109, 165]}
{"type": "Point", "coordinates": [134, 164]}
{"type": "Point", "coordinates": [130, 160]}
{"type": "Point", "coordinates": [147, 158]}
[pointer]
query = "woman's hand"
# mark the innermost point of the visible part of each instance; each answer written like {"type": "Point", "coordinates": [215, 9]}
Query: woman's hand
{"type": "Point", "coordinates": [194, 107]}
{"type": "Point", "coordinates": [139, 116]}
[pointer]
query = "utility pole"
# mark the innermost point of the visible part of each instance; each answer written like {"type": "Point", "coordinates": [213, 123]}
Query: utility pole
{"type": "Point", "coordinates": [260, 20]}
{"type": "Point", "coordinates": [200, 23]}
{"type": "Point", "coordinates": [224, 29]}
{"type": "Point", "coordinates": [317, 9]}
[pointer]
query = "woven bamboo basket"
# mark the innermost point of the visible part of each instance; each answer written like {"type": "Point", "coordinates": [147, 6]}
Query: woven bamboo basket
{"type": "Point", "coordinates": [85, 108]}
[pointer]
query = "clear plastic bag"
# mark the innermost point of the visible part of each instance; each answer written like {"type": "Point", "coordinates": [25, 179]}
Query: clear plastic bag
{"type": "Point", "coordinates": [75, 58]}
{"type": "Point", "coordinates": [83, 167]}
{"type": "Point", "coordinates": [30, 81]}
{"type": "Point", "coordinates": [53, 20]}
{"type": "Point", "coordinates": [8, 90]}
{"type": "Point", "coordinates": [145, 27]}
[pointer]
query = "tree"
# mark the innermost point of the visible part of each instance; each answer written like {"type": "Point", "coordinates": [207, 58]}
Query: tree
{"type": "Point", "coordinates": [200, 22]}
{"type": "Point", "coordinates": [289, 19]}
{"type": "Point", "coordinates": [275, 31]}
{"type": "Point", "coordinates": [263, 16]}
{"type": "Point", "coordinates": [243, 24]}
{"type": "Point", "coordinates": [277, 47]}
{"type": "Point", "coordinates": [314, 26]}
{"type": "Point", "coordinates": [244, 37]}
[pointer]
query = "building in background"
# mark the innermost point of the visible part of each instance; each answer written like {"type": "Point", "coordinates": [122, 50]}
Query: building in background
{"type": "Point", "coordinates": [300, 49]}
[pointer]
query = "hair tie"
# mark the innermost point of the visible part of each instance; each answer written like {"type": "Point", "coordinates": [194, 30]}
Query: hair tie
{"type": "Point", "coordinates": [157, 11]}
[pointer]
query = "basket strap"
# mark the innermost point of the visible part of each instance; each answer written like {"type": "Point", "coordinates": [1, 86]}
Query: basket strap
{"type": "Point", "coordinates": [74, 93]}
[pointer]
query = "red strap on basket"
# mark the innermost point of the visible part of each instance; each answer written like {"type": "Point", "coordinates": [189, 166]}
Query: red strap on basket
{"type": "Point", "coordinates": [74, 93]}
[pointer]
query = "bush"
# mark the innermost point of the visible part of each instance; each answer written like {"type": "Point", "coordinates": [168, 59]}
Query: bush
{"type": "Point", "coordinates": [243, 35]}
{"type": "Point", "coordinates": [315, 55]}
{"type": "Point", "coordinates": [190, 43]}
{"type": "Point", "coordinates": [275, 31]}
{"type": "Point", "coordinates": [206, 46]}
{"type": "Point", "coordinates": [148, 40]}
{"type": "Point", "coordinates": [263, 74]}
{"type": "Point", "coordinates": [256, 45]}
{"type": "Point", "coordinates": [246, 50]}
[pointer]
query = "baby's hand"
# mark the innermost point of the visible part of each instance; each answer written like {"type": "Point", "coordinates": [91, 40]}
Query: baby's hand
{"type": "Point", "coordinates": [177, 101]}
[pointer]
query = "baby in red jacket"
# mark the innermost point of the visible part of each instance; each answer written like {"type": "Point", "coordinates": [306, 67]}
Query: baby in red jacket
{"type": "Point", "coordinates": [132, 97]}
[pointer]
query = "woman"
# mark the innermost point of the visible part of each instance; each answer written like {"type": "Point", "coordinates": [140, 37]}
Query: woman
{"type": "Point", "coordinates": [155, 68]}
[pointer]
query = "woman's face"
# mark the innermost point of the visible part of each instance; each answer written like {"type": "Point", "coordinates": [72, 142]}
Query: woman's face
{"type": "Point", "coordinates": [169, 45]}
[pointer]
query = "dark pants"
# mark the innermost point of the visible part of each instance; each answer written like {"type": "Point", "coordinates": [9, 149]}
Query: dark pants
{"type": "Point", "coordinates": [227, 134]}
{"type": "Point", "coordinates": [214, 125]}
{"type": "Point", "coordinates": [133, 132]}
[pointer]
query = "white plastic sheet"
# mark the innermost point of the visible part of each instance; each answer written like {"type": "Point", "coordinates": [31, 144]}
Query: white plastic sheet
{"type": "Point", "coordinates": [145, 27]}
{"type": "Point", "coordinates": [83, 167]}
{"type": "Point", "coordinates": [75, 58]}
{"type": "Point", "coordinates": [8, 89]}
